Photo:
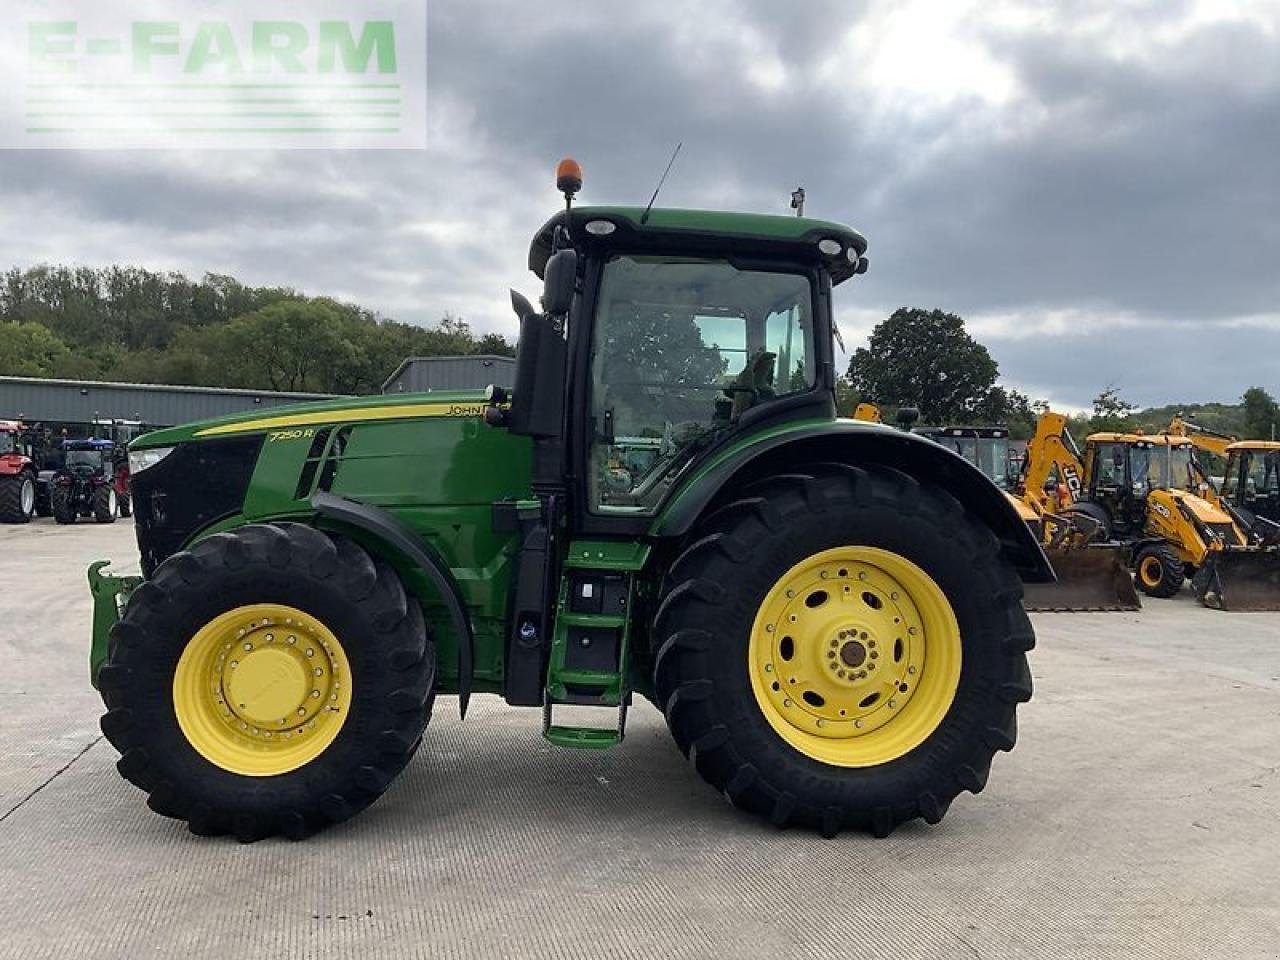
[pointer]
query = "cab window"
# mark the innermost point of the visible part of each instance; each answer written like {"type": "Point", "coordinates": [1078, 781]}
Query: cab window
{"type": "Point", "coordinates": [683, 349]}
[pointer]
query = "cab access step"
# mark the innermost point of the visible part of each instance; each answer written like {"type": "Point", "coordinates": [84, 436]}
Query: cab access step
{"type": "Point", "coordinates": [589, 646]}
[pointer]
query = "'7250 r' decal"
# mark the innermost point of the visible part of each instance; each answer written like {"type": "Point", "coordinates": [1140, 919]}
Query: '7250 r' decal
{"type": "Point", "coordinates": [277, 435]}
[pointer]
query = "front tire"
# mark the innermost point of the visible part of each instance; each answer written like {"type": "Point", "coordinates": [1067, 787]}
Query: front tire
{"type": "Point", "coordinates": [17, 498]}
{"type": "Point", "coordinates": [64, 510]}
{"type": "Point", "coordinates": [810, 576]}
{"type": "Point", "coordinates": [201, 672]}
{"type": "Point", "coordinates": [104, 505]}
{"type": "Point", "coordinates": [1158, 571]}
{"type": "Point", "coordinates": [126, 505]}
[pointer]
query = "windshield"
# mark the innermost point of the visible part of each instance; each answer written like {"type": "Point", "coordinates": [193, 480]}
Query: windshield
{"type": "Point", "coordinates": [683, 348]}
{"type": "Point", "coordinates": [6, 443]}
{"type": "Point", "coordinates": [993, 459]}
{"type": "Point", "coordinates": [84, 459]}
{"type": "Point", "coordinates": [988, 454]}
{"type": "Point", "coordinates": [1263, 474]}
{"type": "Point", "coordinates": [1166, 467]}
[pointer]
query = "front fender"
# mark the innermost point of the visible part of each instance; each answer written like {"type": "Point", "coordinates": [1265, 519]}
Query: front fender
{"type": "Point", "coordinates": [859, 443]}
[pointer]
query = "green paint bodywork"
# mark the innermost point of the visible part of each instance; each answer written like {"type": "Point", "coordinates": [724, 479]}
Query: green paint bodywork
{"type": "Point", "coordinates": [110, 596]}
{"type": "Point", "coordinates": [432, 462]}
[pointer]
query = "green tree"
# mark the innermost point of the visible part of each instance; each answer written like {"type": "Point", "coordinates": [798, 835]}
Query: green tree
{"type": "Point", "coordinates": [31, 350]}
{"type": "Point", "coordinates": [1261, 415]}
{"type": "Point", "coordinates": [925, 358]}
{"type": "Point", "coordinates": [1111, 412]}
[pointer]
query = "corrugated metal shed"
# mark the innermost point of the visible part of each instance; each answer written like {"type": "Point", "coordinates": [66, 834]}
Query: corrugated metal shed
{"type": "Point", "coordinates": [158, 405]}
{"type": "Point", "coordinates": [424, 374]}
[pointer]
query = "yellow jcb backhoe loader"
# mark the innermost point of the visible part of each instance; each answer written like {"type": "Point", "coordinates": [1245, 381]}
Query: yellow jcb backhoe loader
{"type": "Point", "coordinates": [1092, 568]}
{"type": "Point", "coordinates": [1138, 488]}
{"type": "Point", "coordinates": [1248, 577]}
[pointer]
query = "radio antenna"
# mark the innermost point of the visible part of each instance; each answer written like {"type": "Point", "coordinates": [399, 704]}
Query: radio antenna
{"type": "Point", "coordinates": [644, 217]}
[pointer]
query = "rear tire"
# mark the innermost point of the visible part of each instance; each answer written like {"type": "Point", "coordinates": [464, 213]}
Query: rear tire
{"type": "Point", "coordinates": [64, 511]}
{"type": "Point", "coordinates": [1158, 571]}
{"type": "Point", "coordinates": [126, 505]}
{"type": "Point", "coordinates": [708, 625]}
{"type": "Point", "coordinates": [17, 498]}
{"type": "Point", "coordinates": [386, 654]}
{"type": "Point", "coordinates": [104, 505]}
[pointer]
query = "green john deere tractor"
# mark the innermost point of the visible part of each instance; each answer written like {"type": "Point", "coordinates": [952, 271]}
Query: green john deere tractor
{"type": "Point", "coordinates": [826, 612]}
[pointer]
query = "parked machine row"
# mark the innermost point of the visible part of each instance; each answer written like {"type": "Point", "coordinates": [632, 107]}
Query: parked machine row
{"type": "Point", "coordinates": [67, 479]}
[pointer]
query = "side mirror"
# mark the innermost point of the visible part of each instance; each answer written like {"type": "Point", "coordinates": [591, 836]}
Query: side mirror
{"type": "Point", "coordinates": [559, 279]}
{"type": "Point", "coordinates": [537, 399]}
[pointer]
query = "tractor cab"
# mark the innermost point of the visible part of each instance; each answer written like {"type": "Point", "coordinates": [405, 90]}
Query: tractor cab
{"type": "Point", "coordinates": [666, 334]}
{"type": "Point", "coordinates": [1252, 480]}
{"type": "Point", "coordinates": [89, 458]}
{"type": "Point", "coordinates": [985, 447]}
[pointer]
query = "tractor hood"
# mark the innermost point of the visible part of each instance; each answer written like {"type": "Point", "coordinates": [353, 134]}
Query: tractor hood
{"type": "Point", "coordinates": [407, 406]}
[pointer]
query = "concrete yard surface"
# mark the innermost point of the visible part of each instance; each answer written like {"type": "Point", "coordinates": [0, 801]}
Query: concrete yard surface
{"type": "Point", "coordinates": [1139, 816]}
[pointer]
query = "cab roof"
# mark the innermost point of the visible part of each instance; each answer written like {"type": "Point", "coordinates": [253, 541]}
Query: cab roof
{"type": "Point", "coordinates": [710, 231]}
{"type": "Point", "coordinates": [1153, 439]}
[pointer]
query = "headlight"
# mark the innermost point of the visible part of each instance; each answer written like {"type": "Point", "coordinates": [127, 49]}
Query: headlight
{"type": "Point", "coordinates": [140, 460]}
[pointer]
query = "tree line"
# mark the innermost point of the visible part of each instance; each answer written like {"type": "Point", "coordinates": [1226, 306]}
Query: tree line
{"type": "Point", "coordinates": [134, 325]}
{"type": "Point", "coordinates": [926, 359]}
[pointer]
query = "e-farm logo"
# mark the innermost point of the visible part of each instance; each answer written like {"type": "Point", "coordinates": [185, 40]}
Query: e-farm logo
{"type": "Point", "coordinates": [229, 74]}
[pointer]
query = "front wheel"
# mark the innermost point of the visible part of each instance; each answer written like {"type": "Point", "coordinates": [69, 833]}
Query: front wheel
{"type": "Point", "coordinates": [843, 648]}
{"type": "Point", "coordinates": [273, 679]}
{"type": "Point", "coordinates": [63, 505]}
{"type": "Point", "coordinates": [126, 505]}
{"type": "Point", "coordinates": [1159, 572]}
{"type": "Point", "coordinates": [17, 498]}
{"type": "Point", "coordinates": [104, 505]}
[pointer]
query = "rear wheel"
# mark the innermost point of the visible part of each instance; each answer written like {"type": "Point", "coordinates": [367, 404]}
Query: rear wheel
{"type": "Point", "coordinates": [104, 505]}
{"type": "Point", "coordinates": [64, 508]}
{"type": "Point", "coordinates": [843, 648]}
{"type": "Point", "coordinates": [1158, 571]}
{"type": "Point", "coordinates": [126, 505]}
{"type": "Point", "coordinates": [17, 498]}
{"type": "Point", "coordinates": [270, 680]}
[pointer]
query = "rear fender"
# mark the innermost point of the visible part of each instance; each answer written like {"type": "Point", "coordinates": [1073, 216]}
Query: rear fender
{"type": "Point", "coordinates": [859, 444]}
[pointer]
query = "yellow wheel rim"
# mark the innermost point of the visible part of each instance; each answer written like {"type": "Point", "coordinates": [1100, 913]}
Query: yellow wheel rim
{"type": "Point", "coordinates": [262, 690]}
{"type": "Point", "coordinates": [855, 656]}
{"type": "Point", "coordinates": [1150, 571]}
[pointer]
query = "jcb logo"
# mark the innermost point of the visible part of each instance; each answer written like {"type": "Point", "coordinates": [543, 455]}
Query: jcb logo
{"type": "Point", "coordinates": [1072, 479]}
{"type": "Point", "coordinates": [1163, 511]}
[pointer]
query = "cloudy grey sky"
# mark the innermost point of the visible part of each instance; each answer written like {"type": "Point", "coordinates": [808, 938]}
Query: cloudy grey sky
{"type": "Point", "coordinates": [1094, 186]}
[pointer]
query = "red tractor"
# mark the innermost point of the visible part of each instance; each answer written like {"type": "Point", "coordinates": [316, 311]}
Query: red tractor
{"type": "Point", "coordinates": [17, 474]}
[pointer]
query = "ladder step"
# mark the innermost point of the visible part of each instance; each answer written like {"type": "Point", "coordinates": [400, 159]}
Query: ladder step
{"type": "Point", "coordinates": [601, 620]}
{"type": "Point", "coordinates": [582, 738]}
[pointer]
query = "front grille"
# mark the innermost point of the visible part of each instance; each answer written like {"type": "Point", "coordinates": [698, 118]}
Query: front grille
{"type": "Point", "coordinates": [200, 483]}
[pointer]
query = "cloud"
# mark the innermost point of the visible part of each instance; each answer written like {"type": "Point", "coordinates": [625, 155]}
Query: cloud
{"type": "Point", "coordinates": [1093, 185]}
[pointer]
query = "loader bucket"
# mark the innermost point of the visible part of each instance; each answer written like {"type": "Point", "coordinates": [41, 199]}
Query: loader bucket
{"type": "Point", "coordinates": [1089, 578]}
{"type": "Point", "coordinates": [1240, 579]}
